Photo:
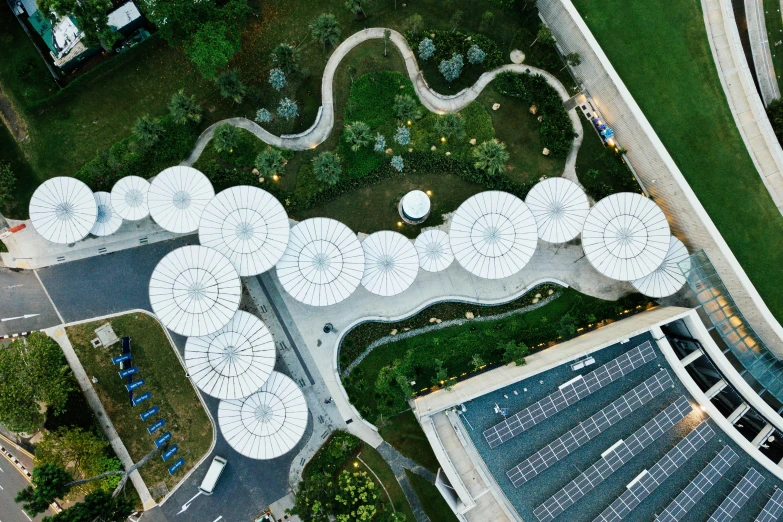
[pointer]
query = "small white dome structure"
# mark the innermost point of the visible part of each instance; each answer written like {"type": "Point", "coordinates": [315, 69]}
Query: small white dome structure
{"type": "Point", "coordinates": [177, 197]}
{"type": "Point", "coordinates": [415, 207]}
{"type": "Point", "coordinates": [560, 207]}
{"type": "Point", "coordinates": [434, 250]}
{"type": "Point", "coordinates": [108, 221]}
{"type": "Point", "coordinates": [390, 263]}
{"type": "Point", "coordinates": [129, 198]}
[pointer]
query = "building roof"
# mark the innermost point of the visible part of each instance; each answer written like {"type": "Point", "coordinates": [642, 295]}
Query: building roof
{"type": "Point", "coordinates": [434, 250]}
{"type": "Point", "coordinates": [177, 197]}
{"type": "Point", "coordinates": [129, 198]}
{"type": "Point", "coordinates": [390, 263]}
{"type": "Point", "coordinates": [124, 15]}
{"type": "Point", "coordinates": [63, 210]}
{"type": "Point", "coordinates": [560, 207]}
{"type": "Point", "coordinates": [667, 279]}
{"type": "Point", "coordinates": [108, 221]}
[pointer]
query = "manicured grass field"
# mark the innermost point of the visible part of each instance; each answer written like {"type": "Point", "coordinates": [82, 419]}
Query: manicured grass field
{"type": "Point", "coordinates": [404, 433]}
{"type": "Point", "coordinates": [432, 501]}
{"type": "Point", "coordinates": [164, 377]}
{"type": "Point", "coordinates": [661, 52]}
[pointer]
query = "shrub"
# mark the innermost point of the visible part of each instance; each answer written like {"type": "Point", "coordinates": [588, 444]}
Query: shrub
{"type": "Point", "coordinates": [515, 352]}
{"type": "Point", "coordinates": [286, 58]}
{"type": "Point", "coordinates": [270, 161]}
{"type": "Point", "coordinates": [475, 54]}
{"type": "Point", "coordinates": [380, 143]}
{"type": "Point", "coordinates": [326, 168]}
{"type": "Point", "coordinates": [445, 44]}
{"type": "Point", "coordinates": [231, 86]}
{"type": "Point", "coordinates": [450, 125]}
{"type": "Point", "coordinates": [146, 131]}
{"type": "Point", "coordinates": [403, 135]}
{"type": "Point", "coordinates": [397, 163]}
{"type": "Point", "coordinates": [288, 109]}
{"type": "Point", "coordinates": [406, 108]}
{"type": "Point", "coordinates": [451, 68]}
{"type": "Point", "coordinates": [7, 184]}
{"type": "Point", "coordinates": [486, 20]}
{"type": "Point", "coordinates": [184, 109]}
{"type": "Point", "coordinates": [277, 79]}
{"type": "Point", "coordinates": [225, 138]}
{"type": "Point", "coordinates": [263, 116]}
{"type": "Point", "coordinates": [211, 48]}
{"type": "Point", "coordinates": [357, 135]}
{"type": "Point", "coordinates": [426, 49]}
{"type": "Point", "coordinates": [491, 157]}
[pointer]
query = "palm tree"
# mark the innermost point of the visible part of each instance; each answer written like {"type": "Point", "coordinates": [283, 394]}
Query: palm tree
{"type": "Point", "coordinates": [406, 108]}
{"type": "Point", "coordinates": [450, 126]}
{"type": "Point", "coordinates": [544, 35]}
{"type": "Point", "coordinates": [184, 109]}
{"type": "Point", "coordinates": [357, 135]}
{"type": "Point", "coordinates": [225, 138]}
{"type": "Point", "coordinates": [146, 131]}
{"type": "Point", "coordinates": [491, 156]}
{"type": "Point", "coordinates": [326, 167]}
{"type": "Point", "coordinates": [270, 161]}
{"type": "Point", "coordinates": [286, 57]}
{"type": "Point", "coordinates": [326, 29]}
{"type": "Point", "coordinates": [231, 86]}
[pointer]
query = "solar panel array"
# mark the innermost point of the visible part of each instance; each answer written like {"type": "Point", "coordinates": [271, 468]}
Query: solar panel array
{"type": "Point", "coordinates": [613, 460]}
{"type": "Point", "coordinates": [590, 428]}
{"type": "Point", "coordinates": [774, 508]}
{"type": "Point", "coordinates": [569, 394]}
{"type": "Point", "coordinates": [738, 497]}
{"type": "Point", "coordinates": [699, 486]}
{"type": "Point", "coordinates": [648, 481]}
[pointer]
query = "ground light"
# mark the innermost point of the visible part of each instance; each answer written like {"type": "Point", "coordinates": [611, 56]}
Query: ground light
{"type": "Point", "coordinates": [429, 193]}
{"type": "Point", "coordinates": [275, 177]}
{"type": "Point", "coordinates": [443, 139]}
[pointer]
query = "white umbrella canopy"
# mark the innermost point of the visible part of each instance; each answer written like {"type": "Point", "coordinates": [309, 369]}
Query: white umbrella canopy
{"type": "Point", "coordinates": [177, 197]}
{"type": "Point", "coordinates": [560, 207]}
{"type": "Point", "coordinates": [63, 210]}
{"type": "Point", "coordinates": [323, 264]}
{"type": "Point", "coordinates": [626, 236]}
{"type": "Point", "coordinates": [108, 221]}
{"type": "Point", "coordinates": [195, 290]}
{"type": "Point", "coordinates": [390, 263]}
{"type": "Point", "coordinates": [667, 279]}
{"type": "Point", "coordinates": [248, 225]}
{"type": "Point", "coordinates": [233, 362]}
{"type": "Point", "coordinates": [266, 424]}
{"type": "Point", "coordinates": [493, 234]}
{"type": "Point", "coordinates": [434, 250]}
{"type": "Point", "coordinates": [129, 198]}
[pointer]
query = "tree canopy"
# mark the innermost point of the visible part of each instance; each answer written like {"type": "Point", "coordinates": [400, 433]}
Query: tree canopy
{"type": "Point", "coordinates": [211, 48]}
{"type": "Point", "coordinates": [91, 15]}
{"type": "Point", "coordinates": [49, 482]}
{"type": "Point", "coordinates": [7, 184]}
{"type": "Point", "coordinates": [327, 168]}
{"type": "Point", "coordinates": [491, 156]}
{"type": "Point", "coordinates": [325, 29]}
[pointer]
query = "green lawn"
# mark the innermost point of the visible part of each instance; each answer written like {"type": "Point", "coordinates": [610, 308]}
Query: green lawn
{"type": "Point", "coordinates": [661, 52]}
{"type": "Point", "coordinates": [404, 433]}
{"type": "Point", "coordinates": [774, 21]}
{"type": "Point", "coordinates": [164, 377]}
{"type": "Point", "coordinates": [434, 504]}
{"type": "Point", "coordinates": [25, 180]}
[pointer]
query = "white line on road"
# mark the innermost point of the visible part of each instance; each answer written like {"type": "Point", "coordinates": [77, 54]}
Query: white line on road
{"type": "Point", "coordinates": [1, 487]}
{"type": "Point", "coordinates": [218, 518]}
{"type": "Point", "coordinates": [25, 316]}
{"type": "Point", "coordinates": [48, 296]}
{"type": "Point", "coordinates": [28, 516]}
{"type": "Point", "coordinates": [13, 286]}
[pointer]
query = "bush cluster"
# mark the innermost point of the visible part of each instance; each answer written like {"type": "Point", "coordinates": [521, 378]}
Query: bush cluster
{"type": "Point", "coordinates": [448, 44]}
{"type": "Point", "coordinates": [557, 132]}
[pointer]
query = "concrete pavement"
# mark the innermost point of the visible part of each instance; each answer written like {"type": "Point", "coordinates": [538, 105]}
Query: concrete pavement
{"type": "Point", "coordinates": [11, 483]}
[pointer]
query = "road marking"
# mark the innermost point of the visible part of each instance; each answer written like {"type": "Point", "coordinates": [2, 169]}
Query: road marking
{"type": "Point", "coordinates": [218, 518]}
{"type": "Point", "coordinates": [13, 286]}
{"type": "Point", "coordinates": [28, 516]}
{"type": "Point", "coordinates": [186, 505]}
{"type": "Point", "coordinates": [26, 316]}
{"type": "Point", "coordinates": [1, 487]}
{"type": "Point", "coordinates": [48, 296]}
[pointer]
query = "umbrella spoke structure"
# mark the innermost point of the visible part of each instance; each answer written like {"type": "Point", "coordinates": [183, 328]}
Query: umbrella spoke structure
{"type": "Point", "coordinates": [323, 264]}
{"type": "Point", "coordinates": [268, 423]}
{"type": "Point", "coordinates": [626, 236]}
{"type": "Point", "coordinates": [195, 291]}
{"type": "Point", "coordinates": [233, 362]}
{"type": "Point", "coordinates": [667, 279]}
{"type": "Point", "coordinates": [63, 210]}
{"type": "Point", "coordinates": [248, 225]}
{"type": "Point", "coordinates": [108, 221]}
{"type": "Point", "coordinates": [560, 207]}
{"type": "Point", "coordinates": [390, 263]}
{"type": "Point", "coordinates": [493, 234]}
{"type": "Point", "coordinates": [434, 250]}
{"type": "Point", "coordinates": [129, 198]}
{"type": "Point", "coordinates": [177, 197]}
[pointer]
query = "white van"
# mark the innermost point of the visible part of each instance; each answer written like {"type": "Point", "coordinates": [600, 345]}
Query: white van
{"type": "Point", "coordinates": [207, 486]}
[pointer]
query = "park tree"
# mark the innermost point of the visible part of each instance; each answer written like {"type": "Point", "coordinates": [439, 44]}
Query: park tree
{"type": "Point", "coordinates": [325, 29]}
{"type": "Point", "coordinates": [263, 116]}
{"type": "Point", "coordinates": [286, 58]}
{"type": "Point", "coordinates": [491, 157]}
{"type": "Point", "coordinates": [270, 161]}
{"type": "Point", "coordinates": [544, 36]}
{"type": "Point", "coordinates": [327, 168]}
{"type": "Point", "coordinates": [477, 362]}
{"type": "Point", "coordinates": [277, 79]}
{"type": "Point", "coordinates": [357, 135]}
{"type": "Point", "coordinates": [178, 20]}
{"type": "Point", "coordinates": [403, 135]}
{"type": "Point", "coordinates": [514, 352]}
{"type": "Point", "coordinates": [456, 19]}
{"type": "Point", "coordinates": [231, 86]}
{"type": "Point", "coordinates": [386, 38]}
{"type": "Point", "coordinates": [184, 109]}
{"type": "Point", "coordinates": [7, 184]}
{"type": "Point", "coordinates": [92, 16]}
{"type": "Point", "coordinates": [357, 498]}
{"type": "Point", "coordinates": [356, 7]}
{"type": "Point", "coordinates": [487, 20]}
{"type": "Point", "coordinates": [49, 482]}
{"type": "Point", "coordinates": [225, 138]}
{"type": "Point", "coordinates": [288, 109]}
{"type": "Point", "coordinates": [406, 108]}
{"type": "Point", "coordinates": [450, 126]}
{"type": "Point", "coordinates": [32, 371]}
{"type": "Point", "coordinates": [380, 143]}
{"type": "Point", "coordinates": [146, 131]}
{"type": "Point", "coordinates": [211, 48]}
{"type": "Point", "coordinates": [100, 506]}
{"type": "Point", "coordinates": [314, 498]}
{"type": "Point", "coordinates": [426, 49]}
{"type": "Point", "coordinates": [451, 68]}
{"type": "Point", "coordinates": [475, 54]}
{"type": "Point", "coordinates": [397, 163]}
{"type": "Point", "coordinates": [414, 23]}
{"type": "Point", "coordinates": [572, 59]}
{"type": "Point", "coordinates": [441, 373]}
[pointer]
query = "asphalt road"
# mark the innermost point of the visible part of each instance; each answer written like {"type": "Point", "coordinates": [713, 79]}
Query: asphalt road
{"type": "Point", "coordinates": [21, 294]}
{"type": "Point", "coordinates": [11, 482]}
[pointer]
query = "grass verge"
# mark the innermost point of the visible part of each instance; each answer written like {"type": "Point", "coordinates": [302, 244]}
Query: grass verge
{"type": "Point", "coordinates": [374, 461]}
{"type": "Point", "coordinates": [434, 504]}
{"type": "Point", "coordinates": [404, 433]}
{"type": "Point", "coordinates": [164, 377]}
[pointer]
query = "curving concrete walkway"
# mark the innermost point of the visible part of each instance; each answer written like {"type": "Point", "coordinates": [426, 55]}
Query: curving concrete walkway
{"type": "Point", "coordinates": [760, 50]}
{"type": "Point", "coordinates": [435, 102]}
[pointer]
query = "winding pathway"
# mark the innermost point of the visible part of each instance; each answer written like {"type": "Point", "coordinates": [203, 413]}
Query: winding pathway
{"type": "Point", "coordinates": [435, 102]}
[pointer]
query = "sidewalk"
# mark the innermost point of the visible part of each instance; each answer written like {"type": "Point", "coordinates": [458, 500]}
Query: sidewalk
{"type": "Point", "coordinates": [58, 334]}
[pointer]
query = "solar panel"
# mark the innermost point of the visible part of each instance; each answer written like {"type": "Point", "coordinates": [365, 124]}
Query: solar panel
{"type": "Point", "coordinates": [648, 480]}
{"type": "Point", "coordinates": [612, 460]}
{"type": "Point", "coordinates": [774, 508]}
{"type": "Point", "coordinates": [569, 394]}
{"type": "Point", "coordinates": [699, 486]}
{"type": "Point", "coordinates": [590, 428]}
{"type": "Point", "coordinates": [738, 497]}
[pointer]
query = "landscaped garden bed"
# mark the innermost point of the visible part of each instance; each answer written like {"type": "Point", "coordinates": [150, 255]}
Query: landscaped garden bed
{"type": "Point", "coordinates": [164, 378]}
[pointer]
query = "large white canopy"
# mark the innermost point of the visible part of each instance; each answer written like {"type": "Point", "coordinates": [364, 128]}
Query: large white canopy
{"type": "Point", "coordinates": [63, 210]}
{"type": "Point", "coordinates": [323, 264]}
{"type": "Point", "coordinates": [390, 263]}
{"type": "Point", "coordinates": [560, 207]}
{"type": "Point", "coordinates": [177, 197]}
{"type": "Point", "coordinates": [247, 225]}
{"type": "Point", "coordinates": [107, 222]}
{"type": "Point", "coordinates": [129, 198]}
{"type": "Point", "coordinates": [233, 362]}
{"type": "Point", "coordinates": [667, 279]}
{"type": "Point", "coordinates": [195, 290]}
{"type": "Point", "coordinates": [626, 236]}
{"type": "Point", "coordinates": [493, 234]}
{"type": "Point", "coordinates": [266, 424]}
{"type": "Point", "coordinates": [434, 250]}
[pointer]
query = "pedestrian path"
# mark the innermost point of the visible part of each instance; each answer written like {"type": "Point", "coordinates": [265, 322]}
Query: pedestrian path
{"type": "Point", "coordinates": [761, 51]}
{"type": "Point", "coordinates": [399, 463]}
